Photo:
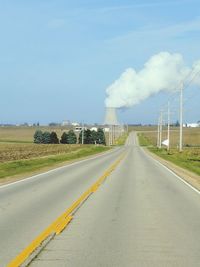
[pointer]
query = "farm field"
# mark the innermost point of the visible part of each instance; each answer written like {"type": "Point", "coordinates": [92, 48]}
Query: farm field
{"type": "Point", "coordinates": [17, 151]}
{"type": "Point", "coordinates": [191, 136]}
{"type": "Point", "coordinates": [20, 156]}
{"type": "Point", "coordinates": [25, 134]}
{"type": "Point", "coordinates": [188, 159]}
{"type": "Point", "coordinates": [31, 165]}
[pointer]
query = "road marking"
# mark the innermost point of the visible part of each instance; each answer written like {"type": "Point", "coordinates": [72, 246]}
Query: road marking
{"type": "Point", "coordinates": [61, 222]}
{"type": "Point", "coordinates": [172, 172]}
{"type": "Point", "coordinates": [56, 169]}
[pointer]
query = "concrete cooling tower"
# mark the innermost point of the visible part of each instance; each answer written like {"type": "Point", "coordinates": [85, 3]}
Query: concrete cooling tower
{"type": "Point", "coordinates": [111, 117]}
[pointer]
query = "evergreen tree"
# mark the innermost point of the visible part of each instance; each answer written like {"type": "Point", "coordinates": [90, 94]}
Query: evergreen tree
{"type": "Point", "coordinates": [38, 137]}
{"type": "Point", "coordinates": [80, 137]}
{"type": "Point", "coordinates": [71, 137]}
{"type": "Point", "coordinates": [94, 137]}
{"type": "Point", "coordinates": [64, 138]}
{"type": "Point", "coordinates": [54, 138]}
{"type": "Point", "coordinates": [46, 138]}
{"type": "Point", "coordinates": [101, 137]}
{"type": "Point", "coordinates": [87, 137]}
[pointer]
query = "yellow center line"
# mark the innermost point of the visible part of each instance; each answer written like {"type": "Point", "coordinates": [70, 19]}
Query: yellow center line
{"type": "Point", "coordinates": [62, 221]}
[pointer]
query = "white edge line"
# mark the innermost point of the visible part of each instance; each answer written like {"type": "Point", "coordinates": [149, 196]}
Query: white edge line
{"type": "Point", "coordinates": [56, 169]}
{"type": "Point", "coordinates": [172, 172]}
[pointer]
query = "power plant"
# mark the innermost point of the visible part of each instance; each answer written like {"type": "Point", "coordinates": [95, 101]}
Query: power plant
{"type": "Point", "coordinates": [115, 129]}
{"type": "Point", "coordinates": [111, 116]}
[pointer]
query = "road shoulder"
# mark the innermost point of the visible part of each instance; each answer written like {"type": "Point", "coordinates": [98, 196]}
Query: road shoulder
{"type": "Point", "coordinates": [190, 177]}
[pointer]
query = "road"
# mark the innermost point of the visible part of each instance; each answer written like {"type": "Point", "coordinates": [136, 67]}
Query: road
{"type": "Point", "coordinates": [29, 206]}
{"type": "Point", "coordinates": [142, 215]}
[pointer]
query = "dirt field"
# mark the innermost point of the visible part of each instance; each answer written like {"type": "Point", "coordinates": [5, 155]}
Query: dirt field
{"type": "Point", "coordinates": [12, 151]}
{"type": "Point", "coordinates": [25, 134]}
{"type": "Point", "coordinates": [191, 136]}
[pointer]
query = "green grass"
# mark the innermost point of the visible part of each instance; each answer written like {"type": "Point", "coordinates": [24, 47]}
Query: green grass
{"type": "Point", "coordinates": [188, 159]}
{"type": "Point", "coordinates": [28, 166]}
{"type": "Point", "coordinates": [143, 140]}
{"type": "Point", "coordinates": [121, 140]}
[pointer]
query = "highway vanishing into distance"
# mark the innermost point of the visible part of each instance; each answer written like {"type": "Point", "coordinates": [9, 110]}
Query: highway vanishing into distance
{"type": "Point", "coordinates": [142, 215]}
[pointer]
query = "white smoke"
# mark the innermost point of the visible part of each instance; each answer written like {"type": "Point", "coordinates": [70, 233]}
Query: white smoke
{"type": "Point", "coordinates": [162, 72]}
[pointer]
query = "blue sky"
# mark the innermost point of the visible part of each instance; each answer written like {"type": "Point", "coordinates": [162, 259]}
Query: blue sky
{"type": "Point", "coordinates": [57, 57]}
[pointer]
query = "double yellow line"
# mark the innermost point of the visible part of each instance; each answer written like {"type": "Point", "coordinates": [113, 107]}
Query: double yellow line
{"type": "Point", "coordinates": [61, 222]}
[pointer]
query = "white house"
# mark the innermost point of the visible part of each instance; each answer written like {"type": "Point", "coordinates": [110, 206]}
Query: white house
{"type": "Point", "coordinates": [94, 129]}
{"type": "Point", "coordinates": [192, 125]}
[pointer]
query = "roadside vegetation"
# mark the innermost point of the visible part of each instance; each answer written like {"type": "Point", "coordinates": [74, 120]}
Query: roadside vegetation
{"type": "Point", "coordinates": [188, 159]}
{"type": "Point", "coordinates": [27, 164]}
{"type": "Point", "coordinates": [121, 140]}
{"type": "Point", "coordinates": [47, 149]}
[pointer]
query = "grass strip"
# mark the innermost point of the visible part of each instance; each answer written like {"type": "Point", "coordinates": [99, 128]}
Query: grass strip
{"type": "Point", "coordinates": [121, 140]}
{"type": "Point", "coordinates": [188, 159]}
{"type": "Point", "coordinates": [143, 140]}
{"type": "Point", "coordinates": [12, 168]}
{"type": "Point", "coordinates": [181, 159]}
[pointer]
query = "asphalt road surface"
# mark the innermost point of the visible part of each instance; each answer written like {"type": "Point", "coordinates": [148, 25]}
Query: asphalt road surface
{"type": "Point", "coordinates": [29, 206]}
{"type": "Point", "coordinates": [142, 215]}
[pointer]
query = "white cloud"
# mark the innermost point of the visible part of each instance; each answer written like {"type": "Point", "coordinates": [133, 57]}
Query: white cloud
{"type": "Point", "coordinates": [162, 72]}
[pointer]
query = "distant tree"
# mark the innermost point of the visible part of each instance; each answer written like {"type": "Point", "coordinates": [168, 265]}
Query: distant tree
{"type": "Point", "coordinates": [177, 124]}
{"type": "Point", "coordinates": [94, 137]}
{"type": "Point", "coordinates": [64, 138]}
{"type": "Point", "coordinates": [71, 137]}
{"type": "Point", "coordinates": [80, 137]}
{"type": "Point", "coordinates": [38, 137]}
{"type": "Point", "coordinates": [54, 138]}
{"type": "Point", "coordinates": [87, 137]}
{"type": "Point", "coordinates": [46, 138]}
{"type": "Point", "coordinates": [101, 137]}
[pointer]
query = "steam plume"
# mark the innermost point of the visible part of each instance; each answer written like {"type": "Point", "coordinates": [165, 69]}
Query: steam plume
{"type": "Point", "coordinates": [162, 72]}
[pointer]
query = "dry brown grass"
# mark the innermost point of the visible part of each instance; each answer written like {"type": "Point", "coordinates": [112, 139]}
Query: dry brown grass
{"type": "Point", "coordinates": [10, 152]}
{"type": "Point", "coordinates": [25, 134]}
{"type": "Point", "coordinates": [191, 136]}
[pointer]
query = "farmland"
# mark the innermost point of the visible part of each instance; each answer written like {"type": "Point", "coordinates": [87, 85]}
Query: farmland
{"type": "Point", "coordinates": [25, 134]}
{"type": "Point", "coordinates": [191, 136]}
{"type": "Point", "coordinates": [20, 156]}
{"type": "Point", "coordinates": [188, 159]}
{"type": "Point", "coordinates": [17, 151]}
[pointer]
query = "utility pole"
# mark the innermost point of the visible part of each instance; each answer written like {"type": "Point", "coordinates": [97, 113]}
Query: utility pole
{"type": "Point", "coordinates": [168, 126]}
{"type": "Point", "coordinates": [82, 134]}
{"type": "Point", "coordinates": [110, 135]}
{"type": "Point", "coordinates": [181, 120]}
{"type": "Point", "coordinates": [158, 133]}
{"type": "Point", "coordinates": [161, 122]}
{"type": "Point", "coordinates": [111, 130]}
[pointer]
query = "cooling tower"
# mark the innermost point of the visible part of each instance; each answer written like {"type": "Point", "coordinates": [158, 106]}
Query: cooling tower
{"type": "Point", "coordinates": [111, 117]}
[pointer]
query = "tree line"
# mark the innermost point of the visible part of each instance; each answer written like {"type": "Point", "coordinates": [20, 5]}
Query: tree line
{"type": "Point", "coordinates": [87, 136]}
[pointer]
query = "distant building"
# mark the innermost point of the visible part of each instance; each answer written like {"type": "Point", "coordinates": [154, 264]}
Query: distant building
{"type": "Point", "coordinates": [106, 129]}
{"type": "Point", "coordinates": [65, 123]}
{"type": "Point", "coordinates": [94, 129]}
{"type": "Point", "coordinates": [79, 128]}
{"type": "Point", "coordinates": [192, 125]}
{"type": "Point", "coordinates": [75, 124]}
